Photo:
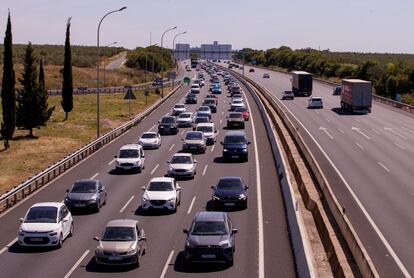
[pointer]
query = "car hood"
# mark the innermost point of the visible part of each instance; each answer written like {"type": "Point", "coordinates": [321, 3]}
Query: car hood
{"type": "Point", "coordinates": [207, 240]}
{"type": "Point", "coordinates": [39, 227]}
{"type": "Point", "coordinates": [127, 160]}
{"type": "Point", "coordinates": [117, 246]}
{"type": "Point", "coordinates": [81, 196]}
{"type": "Point", "coordinates": [181, 166]}
{"type": "Point", "coordinates": [193, 141]}
{"type": "Point", "coordinates": [159, 195]}
{"type": "Point", "coordinates": [208, 134]}
{"type": "Point", "coordinates": [228, 193]}
{"type": "Point", "coordinates": [167, 124]}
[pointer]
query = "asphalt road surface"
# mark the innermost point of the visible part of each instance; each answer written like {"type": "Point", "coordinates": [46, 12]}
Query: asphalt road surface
{"type": "Point", "coordinates": [165, 240]}
{"type": "Point", "coordinates": [374, 153]}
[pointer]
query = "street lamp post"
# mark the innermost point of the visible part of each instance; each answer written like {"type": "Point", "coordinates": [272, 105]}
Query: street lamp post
{"type": "Point", "coordinates": [182, 33]}
{"type": "Point", "coordinates": [104, 62]}
{"type": "Point", "coordinates": [162, 60]}
{"type": "Point", "coordinates": [98, 69]}
{"type": "Point", "coordinates": [146, 63]}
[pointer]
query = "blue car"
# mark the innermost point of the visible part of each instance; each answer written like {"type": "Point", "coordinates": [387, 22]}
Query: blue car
{"type": "Point", "coordinates": [216, 90]}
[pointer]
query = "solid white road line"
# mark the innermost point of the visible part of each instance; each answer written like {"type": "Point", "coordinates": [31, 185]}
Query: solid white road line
{"type": "Point", "coordinates": [172, 146]}
{"type": "Point", "coordinates": [4, 249]}
{"type": "Point", "coordinates": [191, 205]}
{"type": "Point", "coordinates": [407, 129]}
{"type": "Point", "coordinates": [212, 148]}
{"type": "Point", "coordinates": [182, 132]}
{"type": "Point", "coordinates": [399, 146]}
{"type": "Point", "coordinates": [164, 271]}
{"type": "Point", "coordinates": [77, 264]}
{"type": "Point", "coordinates": [359, 145]}
{"type": "Point", "coordinates": [222, 112]}
{"type": "Point", "coordinates": [205, 169]}
{"type": "Point", "coordinates": [354, 196]}
{"type": "Point", "coordinates": [155, 168]}
{"type": "Point", "coordinates": [221, 121]}
{"type": "Point", "coordinates": [151, 128]}
{"type": "Point", "coordinates": [127, 203]}
{"type": "Point", "coordinates": [94, 176]}
{"type": "Point", "coordinates": [383, 166]}
{"type": "Point", "coordinates": [112, 161]}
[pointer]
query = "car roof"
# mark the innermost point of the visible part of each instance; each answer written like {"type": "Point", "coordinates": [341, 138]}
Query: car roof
{"type": "Point", "coordinates": [235, 133]}
{"type": "Point", "coordinates": [316, 98]}
{"type": "Point", "coordinates": [189, 132]}
{"type": "Point", "coordinates": [122, 223]}
{"type": "Point", "coordinates": [162, 179]}
{"type": "Point", "coordinates": [87, 180]}
{"type": "Point", "coordinates": [130, 147]}
{"type": "Point", "coordinates": [186, 113]}
{"type": "Point", "coordinates": [230, 178]}
{"type": "Point", "coordinates": [179, 104]}
{"type": "Point", "coordinates": [210, 216]}
{"type": "Point", "coordinates": [149, 132]}
{"type": "Point", "coordinates": [48, 204]}
{"type": "Point", "coordinates": [205, 124]}
{"type": "Point", "coordinates": [183, 154]}
{"type": "Point", "coordinates": [235, 113]}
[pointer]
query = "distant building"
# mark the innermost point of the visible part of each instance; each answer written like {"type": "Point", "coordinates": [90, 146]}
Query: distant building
{"type": "Point", "coordinates": [213, 51]}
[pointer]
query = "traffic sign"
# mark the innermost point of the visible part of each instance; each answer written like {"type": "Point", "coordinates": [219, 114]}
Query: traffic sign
{"type": "Point", "coordinates": [129, 94]}
{"type": "Point", "coordinates": [187, 80]}
{"type": "Point", "coordinates": [146, 93]}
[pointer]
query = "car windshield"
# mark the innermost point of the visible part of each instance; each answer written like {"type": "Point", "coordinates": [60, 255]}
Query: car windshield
{"type": "Point", "coordinates": [184, 116]}
{"type": "Point", "coordinates": [160, 186]}
{"type": "Point", "coordinates": [190, 95]}
{"type": "Point", "coordinates": [229, 184]}
{"type": "Point", "coordinates": [209, 228]}
{"type": "Point", "coordinates": [167, 120]}
{"type": "Point", "coordinates": [179, 106]}
{"type": "Point", "coordinates": [241, 109]}
{"type": "Point", "coordinates": [128, 153]}
{"type": "Point", "coordinates": [149, 135]}
{"type": "Point", "coordinates": [119, 234]}
{"type": "Point", "coordinates": [194, 136]}
{"type": "Point", "coordinates": [237, 101]}
{"type": "Point", "coordinates": [42, 215]}
{"type": "Point", "coordinates": [201, 120]}
{"type": "Point", "coordinates": [205, 128]}
{"type": "Point", "coordinates": [209, 101]}
{"type": "Point", "coordinates": [204, 109]}
{"type": "Point", "coordinates": [84, 187]}
{"type": "Point", "coordinates": [234, 140]}
{"type": "Point", "coordinates": [180, 159]}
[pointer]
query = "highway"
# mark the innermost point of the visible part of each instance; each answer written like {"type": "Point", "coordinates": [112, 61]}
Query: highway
{"type": "Point", "coordinates": [374, 154]}
{"type": "Point", "coordinates": [165, 240]}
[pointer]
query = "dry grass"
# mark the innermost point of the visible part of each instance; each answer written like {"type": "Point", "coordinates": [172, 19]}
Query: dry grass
{"type": "Point", "coordinates": [28, 156]}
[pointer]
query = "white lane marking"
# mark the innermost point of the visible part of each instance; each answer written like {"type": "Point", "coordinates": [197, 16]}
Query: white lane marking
{"type": "Point", "coordinates": [172, 146]}
{"type": "Point", "coordinates": [383, 166]}
{"type": "Point", "coordinates": [167, 114]}
{"type": "Point", "coordinates": [396, 133]}
{"type": "Point", "coordinates": [212, 148]}
{"type": "Point", "coordinates": [182, 132]}
{"type": "Point", "coordinates": [361, 206]}
{"type": "Point", "coordinates": [325, 130]}
{"type": "Point", "coordinates": [164, 271]}
{"type": "Point", "coordinates": [376, 131]}
{"type": "Point", "coordinates": [327, 120]}
{"type": "Point", "coordinates": [399, 146]}
{"type": "Point", "coordinates": [8, 246]}
{"type": "Point", "coordinates": [357, 129]}
{"type": "Point", "coordinates": [218, 132]}
{"type": "Point", "coordinates": [341, 131]}
{"type": "Point", "coordinates": [151, 128]}
{"type": "Point", "coordinates": [221, 121]}
{"type": "Point", "coordinates": [94, 176]}
{"type": "Point", "coordinates": [155, 168]}
{"type": "Point", "coordinates": [205, 169]}
{"type": "Point", "coordinates": [222, 112]}
{"type": "Point", "coordinates": [126, 204]}
{"type": "Point", "coordinates": [191, 205]}
{"type": "Point", "coordinates": [359, 145]}
{"type": "Point", "coordinates": [224, 101]}
{"type": "Point", "coordinates": [77, 264]}
{"type": "Point", "coordinates": [259, 199]}
{"type": "Point", "coordinates": [112, 161]}
{"type": "Point", "coordinates": [407, 129]}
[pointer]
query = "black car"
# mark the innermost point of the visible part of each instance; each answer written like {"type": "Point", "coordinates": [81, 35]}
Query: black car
{"type": "Point", "coordinates": [229, 192]}
{"type": "Point", "coordinates": [211, 238]}
{"type": "Point", "coordinates": [212, 103]}
{"type": "Point", "coordinates": [235, 145]}
{"type": "Point", "coordinates": [337, 90]}
{"type": "Point", "coordinates": [168, 125]}
{"type": "Point", "coordinates": [251, 70]}
{"type": "Point", "coordinates": [235, 120]}
{"type": "Point", "coordinates": [191, 99]}
{"type": "Point", "coordinates": [86, 194]}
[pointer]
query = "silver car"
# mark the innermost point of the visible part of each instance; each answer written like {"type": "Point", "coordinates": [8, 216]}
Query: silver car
{"type": "Point", "coordinates": [182, 165]}
{"type": "Point", "coordinates": [86, 194]}
{"type": "Point", "coordinates": [185, 119]}
{"type": "Point", "coordinates": [123, 242]}
{"type": "Point", "coordinates": [194, 141]}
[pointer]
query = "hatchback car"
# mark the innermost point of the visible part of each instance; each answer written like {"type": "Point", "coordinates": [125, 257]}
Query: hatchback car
{"type": "Point", "coordinates": [123, 242]}
{"type": "Point", "coordinates": [200, 119]}
{"type": "Point", "coordinates": [161, 193]}
{"type": "Point", "coordinates": [168, 125]}
{"type": "Point", "coordinates": [182, 165]}
{"type": "Point", "coordinates": [266, 75]}
{"type": "Point", "coordinates": [195, 88]}
{"type": "Point", "coordinates": [86, 194]}
{"type": "Point", "coordinates": [209, 130]}
{"type": "Point", "coordinates": [178, 109]}
{"type": "Point", "coordinates": [212, 103]}
{"type": "Point", "coordinates": [235, 145]}
{"type": "Point", "coordinates": [229, 192]}
{"type": "Point", "coordinates": [150, 140]}
{"type": "Point", "coordinates": [185, 119]}
{"type": "Point", "coordinates": [191, 98]}
{"type": "Point", "coordinates": [216, 90]}
{"type": "Point", "coordinates": [204, 111]}
{"type": "Point", "coordinates": [131, 157]}
{"type": "Point", "coordinates": [211, 237]}
{"type": "Point", "coordinates": [45, 224]}
{"type": "Point", "coordinates": [288, 95]}
{"type": "Point", "coordinates": [194, 141]}
{"type": "Point", "coordinates": [235, 119]}
{"type": "Point", "coordinates": [315, 102]}
{"type": "Point", "coordinates": [244, 111]}
{"type": "Point", "coordinates": [236, 103]}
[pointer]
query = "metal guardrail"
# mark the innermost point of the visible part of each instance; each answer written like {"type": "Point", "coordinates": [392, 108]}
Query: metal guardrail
{"type": "Point", "coordinates": [36, 182]}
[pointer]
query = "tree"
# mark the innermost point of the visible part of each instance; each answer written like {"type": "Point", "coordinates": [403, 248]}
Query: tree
{"type": "Point", "coordinates": [44, 111]}
{"type": "Point", "coordinates": [8, 94]}
{"type": "Point", "coordinates": [67, 86]}
{"type": "Point", "coordinates": [28, 98]}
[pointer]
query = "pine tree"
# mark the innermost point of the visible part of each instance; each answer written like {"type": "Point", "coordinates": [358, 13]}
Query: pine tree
{"type": "Point", "coordinates": [8, 94]}
{"type": "Point", "coordinates": [45, 111]}
{"type": "Point", "coordinates": [67, 86]}
{"type": "Point", "coordinates": [28, 98]}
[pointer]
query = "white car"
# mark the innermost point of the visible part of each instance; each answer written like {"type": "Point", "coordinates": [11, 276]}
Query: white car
{"type": "Point", "coordinates": [161, 193]}
{"type": "Point", "coordinates": [46, 224]}
{"type": "Point", "coordinates": [237, 97]}
{"type": "Point", "coordinates": [209, 130]}
{"type": "Point", "coordinates": [185, 119]}
{"type": "Point", "coordinates": [150, 140]}
{"type": "Point", "coordinates": [178, 109]}
{"type": "Point", "coordinates": [195, 88]}
{"type": "Point", "coordinates": [315, 102]}
{"type": "Point", "coordinates": [182, 165]}
{"type": "Point", "coordinates": [188, 67]}
{"type": "Point", "coordinates": [236, 103]}
{"type": "Point", "coordinates": [288, 95]}
{"type": "Point", "coordinates": [131, 157]}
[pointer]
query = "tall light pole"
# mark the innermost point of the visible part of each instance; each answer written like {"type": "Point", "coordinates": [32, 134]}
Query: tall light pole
{"type": "Point", "coordinates": [104, 61]}
{"type": "Point", "coordinates": [98, 69]}
{"type": "Point", "coordinates": [185, 32]}
{"type": "Point", "coordinates": [146, 62]}
{"type": "Point", "coordinates": [162, 59]}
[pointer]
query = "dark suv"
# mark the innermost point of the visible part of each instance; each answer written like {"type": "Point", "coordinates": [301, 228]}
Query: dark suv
{"type": "Point", "coordinates": [191, 99]}
{"type": "Point", "coordinates": [168, 124]}
{"type": "Point", "coordinates": [235, 145]}
{"type": "Point", "coordinates": [211, 238]}
{"type": "Point", "coordinates": [229, 192]}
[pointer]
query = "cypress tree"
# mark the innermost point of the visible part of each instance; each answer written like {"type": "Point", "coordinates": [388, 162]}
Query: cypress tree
{"type": "Point", "coordinates": [45, 111]}
{"type": "Point", "coordinates": [28, 98]}
{"type": "Point", "coordinates": [67, 86]}
{"type": "Point", "coordinates": [8, 94]}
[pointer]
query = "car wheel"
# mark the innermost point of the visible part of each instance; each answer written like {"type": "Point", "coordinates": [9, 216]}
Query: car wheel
{"type": "Point", "coordinates": [106, 197]}
{"type": "Point", "coordinates": [97, 208]}
{"type": "Point", "coordinates": [137, 262]}
{"type": "Point", "coordinates": [71, 230]}
{"type": "Point", "coordinates": [60, 242]}
{"type": "Point", "coordinates": [230, 263]}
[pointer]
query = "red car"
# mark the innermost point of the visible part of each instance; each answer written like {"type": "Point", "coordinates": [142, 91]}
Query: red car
{"type": "Point", "coordinates": [244, 111]}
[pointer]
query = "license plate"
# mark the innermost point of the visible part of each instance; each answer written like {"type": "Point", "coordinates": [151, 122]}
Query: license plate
{"type": "Point", "coordinates": [229, 204]}
{"type": "Point", "coordinates": [234, 156]}
{"type": "Point", "coordinates": [79, 205]}
{"type": "Point", "coordinates": [36, 239]}
{"type": "Point", "coordinates": [114, 258]}
{"type": "Point", "coordinates": [208, 256]}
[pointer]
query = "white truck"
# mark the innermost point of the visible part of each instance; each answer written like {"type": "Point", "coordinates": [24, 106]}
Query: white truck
{"type": "Point", "coordinates": [302, 83]}
{"type": "Point", "coordinates": [356, 95]}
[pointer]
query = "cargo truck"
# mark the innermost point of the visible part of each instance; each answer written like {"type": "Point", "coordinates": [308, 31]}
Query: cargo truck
{"type": "Point", "coordinates": [356, 95]}
{"type": "Point", "coordinates": [301, 83]}
{"type": "Point", "coordinates": [194, 63]}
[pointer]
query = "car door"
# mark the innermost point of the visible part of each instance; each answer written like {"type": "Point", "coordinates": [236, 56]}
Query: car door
{"type": "Point", "coordinates": [177, 190]}
{"type": "Point", "coordinates": [142, 156]}
{"type": "Point", "coordinates": [230, 226]}
{"type": "Point", "coordinates": [141, 239]}
{"type": "Point", "coordinates": [64, 221]}
{"type": "Point", "coordinates": [101, 193]}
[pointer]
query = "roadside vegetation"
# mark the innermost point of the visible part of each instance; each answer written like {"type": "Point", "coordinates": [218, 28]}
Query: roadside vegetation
{"type": "Point", "coordinates": [390, 74]}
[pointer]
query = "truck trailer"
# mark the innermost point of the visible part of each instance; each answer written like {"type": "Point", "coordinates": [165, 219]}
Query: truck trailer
{"type": "Point", "coordinates": [301, 83]}
{"type": "Point", "coordinates": [356, 95]}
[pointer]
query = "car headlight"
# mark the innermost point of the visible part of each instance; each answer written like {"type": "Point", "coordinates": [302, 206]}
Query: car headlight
{"type": "Point", "coordinates": [171, 199]}
{"type": "Point", "coordinates": [54, 233]}
{"type": "Point", "coordinates": [67, 199]}
{"type": "Point", "coordinates": [244, 150]}
{"type": "Point", "coordinates": [189, 244]}
{"type": "Point", "coordinates": [242, 197]}
{"type": "Point", "coordinates": [132, 252]}
{"type": "Point", "coordinates": [225, 244]}
{"type": "Point", "coordinates": [225, 150]}
{"type": "Point", "coordinates": [216, 198]}
{"type": "Point", "coordinates": [99, 251]}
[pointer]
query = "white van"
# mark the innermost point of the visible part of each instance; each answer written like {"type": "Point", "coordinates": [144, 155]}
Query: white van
{"type": "Point", "coordinates": [131, 157]}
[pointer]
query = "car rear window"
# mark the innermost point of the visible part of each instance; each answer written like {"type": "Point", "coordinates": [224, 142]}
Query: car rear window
{"type": "Point", "coordinates": [234, 139]}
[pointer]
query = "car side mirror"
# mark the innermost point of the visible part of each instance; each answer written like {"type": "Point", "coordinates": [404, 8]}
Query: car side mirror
{"type": "Point", "coordinates": [178, 187]}
{"type": "Point", "coordinates": [115, 156]}
{"type": "Point", "coordinates": [21, 219]}
{"type": "Point", "coordinates": [67, 190]}
{"type": "Point", "coordinates": [143, 155]}
{"type": "Point", "coordinates": [96, 238]}
{"type": "Point", "coordinates": [142, 238]}
{"type": "Point", "coordinates": [248, 143]}
{"type": "Point", "coordinates": [246, 187]}
{"type": "Point", "coordinates": [212, 187]}
{"type": "Point", "coordinates": [221, 142]}
{"type": "Point", "coordinates": [159, 121]}
{"type": "Point", "coordinates": [143, 188]}
{"type": "Point", "coordinates": [215, 131]}
{"type": "Point", "coordinates": [185, 231]}
{"type": "Point", "coordinates": [234, 231]}
{"type": "Point", "coordinates": [182, 139]}
{"type": "Point", "coordinates": [195, 161]}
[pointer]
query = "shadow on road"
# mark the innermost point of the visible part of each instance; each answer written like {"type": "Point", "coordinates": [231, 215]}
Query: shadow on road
{"type": "Point", "coordinates": [342, 112]}
{"type": "Point", "coordinates": [180, 265]}
{"type": "Point", "coordinates": [222, 160]}
{"type": "Point", "coordinates": [152, 212]}
{"type": "Point", "coordinates": [17, 248]}
{"type": "Point", "coordinates": [92, 266]}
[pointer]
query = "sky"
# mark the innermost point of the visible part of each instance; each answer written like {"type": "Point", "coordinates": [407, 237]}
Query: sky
{"type": "Point", "coordinates": [338, 25]}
